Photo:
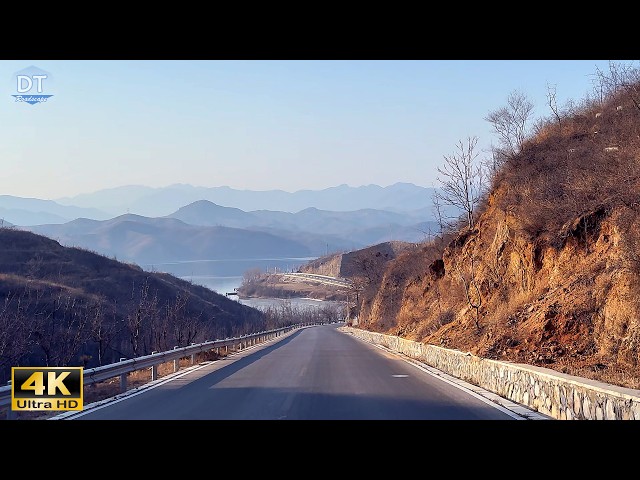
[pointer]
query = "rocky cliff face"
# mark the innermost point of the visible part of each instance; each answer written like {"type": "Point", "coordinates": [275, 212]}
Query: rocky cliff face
{"type": "Point", "coordinates": [497, 294]}
{"type": "Point", "coordinates": [550, 273]}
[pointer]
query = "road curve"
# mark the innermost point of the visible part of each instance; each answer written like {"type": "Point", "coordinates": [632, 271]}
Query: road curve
{"type": "Point", "coordinates": [322, 279]}
{"type": "Point", "coordinates": [316, 373]}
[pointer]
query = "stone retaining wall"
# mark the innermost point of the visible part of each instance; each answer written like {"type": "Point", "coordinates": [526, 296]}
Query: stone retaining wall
{"type": "Point", "coordinates": [561, 396]}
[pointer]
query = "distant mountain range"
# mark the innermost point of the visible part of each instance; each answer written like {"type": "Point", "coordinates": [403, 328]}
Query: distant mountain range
{"type": "Point", "coordinates": [34, 211]}
{"type": "Point", "coordinates": [158, 202]}
{"type": "Point", "coordinates": [203, 229]}
{"type": "Point", "coordinates": [357, 228]}
{"type": "Point", "coordinates": [147, 240]}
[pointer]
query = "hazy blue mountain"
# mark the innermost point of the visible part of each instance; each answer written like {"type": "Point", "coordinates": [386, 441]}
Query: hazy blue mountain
{"type": "Point", "coordinates": [310, 219]}
{"type": "Point", "coordinates": [85, 226]}
{"type": "Point", "coordinates": [34, 211]}
{"type": "Point", "coordinates": [25, 217]}
{"type": "Point", "coordinates": [157, 202]}
{"type": "Point", "coordinates": [111, 200]}
{"type": "Point", "coordinates": [319, 243]}
{"type": "Point", "coordinates": [313, 219]}
{"type": "Point", "coordinates": [147, 240]}
{"type": "Point", "coordinates": [204, 212]}
{"type": "Point", "coordinates": [405, 233]}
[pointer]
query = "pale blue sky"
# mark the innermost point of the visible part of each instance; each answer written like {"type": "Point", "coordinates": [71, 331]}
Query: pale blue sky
{"type": "Point", "coordinates": [258, 125]}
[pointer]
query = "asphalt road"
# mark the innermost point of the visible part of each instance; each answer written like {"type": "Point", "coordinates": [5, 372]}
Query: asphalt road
{"type": "Point", "coordinates": [317, 373]}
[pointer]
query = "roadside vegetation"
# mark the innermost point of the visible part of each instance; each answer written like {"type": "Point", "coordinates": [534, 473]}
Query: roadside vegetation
{"type": "Point", "coordinates": [542, 265]}
{"type": "Point", "coordinates": [62, 306]}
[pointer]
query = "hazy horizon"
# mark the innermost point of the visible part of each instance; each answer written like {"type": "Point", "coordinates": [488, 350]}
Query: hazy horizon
{"type": "Point", "coordinates": [259, 125]}
{"type": "Point", "coordinates": [160, 187]}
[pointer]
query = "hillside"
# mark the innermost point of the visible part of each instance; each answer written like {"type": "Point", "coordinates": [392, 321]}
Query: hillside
{"type": "Point", "coordinates": [549, 274]}
{"type": "Point", "coordinates": [357, 262]}
{"type": "Point", "coordinates": [359, 266]}
{"type": "Point", "coordinates": [69, 306]}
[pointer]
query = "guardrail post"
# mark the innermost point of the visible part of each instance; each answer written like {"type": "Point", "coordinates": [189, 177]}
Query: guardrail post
{"type": "Point", "coordinates": [154, 369]}
{"type": "Point", "coordinates": [123, 379]}
{"type": "Point", "coordinates": [176, 362]}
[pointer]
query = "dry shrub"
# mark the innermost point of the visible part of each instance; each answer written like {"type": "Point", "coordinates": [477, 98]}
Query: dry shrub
{"type": "Point", "coordinates": [579, 165]}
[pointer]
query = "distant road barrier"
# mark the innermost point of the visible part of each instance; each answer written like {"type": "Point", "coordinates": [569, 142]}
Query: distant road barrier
{"type": "Point", "coordinates": [124, 367]}
{"type": "Point", "coordinates": [339, 282]}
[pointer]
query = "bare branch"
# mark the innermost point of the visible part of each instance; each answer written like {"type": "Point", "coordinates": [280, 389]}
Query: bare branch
{"type": "Point", "coordinates": [511, 122]}
{"type": "Point", "coordinates": [553, 102]}
{"type": "Point", "coordinates": [462, 180]}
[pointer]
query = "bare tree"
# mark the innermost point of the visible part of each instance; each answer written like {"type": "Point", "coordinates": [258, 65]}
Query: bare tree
{"type": "Point", "coordinates": [620, 77]}
{"type": "Point", "coordinates": [492, 164]}
{"type": "Point", "coordinates": [552, 102]}
{"type": "Point", "coordinates": [354, 296]}
{"type": "Point", "coordinates": [511, 123]}
{"type": "Point", "coordinates": [439, 214]}
{"type": "Point", "coordinates": [103, 329]}
{"type": "Point", "coordinates": [61, 330]}
{"type": "Point", "coordinates": [143, 311]}
{"type": "Point", "coordinates": [251, 275]}
{"type": "Point", "coordinates": [15, 328]}
{"type": "Point", "coordinates": [462, 180]}
{"type": "Point", "coordinates": [185, 327]}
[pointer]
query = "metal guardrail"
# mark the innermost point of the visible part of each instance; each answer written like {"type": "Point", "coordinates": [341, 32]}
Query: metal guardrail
{"type": "Point", "coordinates": [122, 368]}
{"type": "Point", "coordinates": [340, 282]}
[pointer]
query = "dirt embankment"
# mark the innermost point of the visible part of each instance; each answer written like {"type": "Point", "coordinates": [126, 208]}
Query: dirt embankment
{"type": "Point", "coordinates": [550, 273]}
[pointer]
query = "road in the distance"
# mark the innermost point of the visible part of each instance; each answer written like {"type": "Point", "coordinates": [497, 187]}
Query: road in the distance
{"type": "Point", "coordinates": [317, 373]}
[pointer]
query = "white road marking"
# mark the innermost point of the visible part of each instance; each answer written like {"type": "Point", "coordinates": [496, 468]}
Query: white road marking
{"type": "Point", "coordinates": [456, 382]}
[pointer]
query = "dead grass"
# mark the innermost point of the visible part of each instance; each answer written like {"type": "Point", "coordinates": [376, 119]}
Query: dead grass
{"type": "Point", "coordinates": [553, 259]}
